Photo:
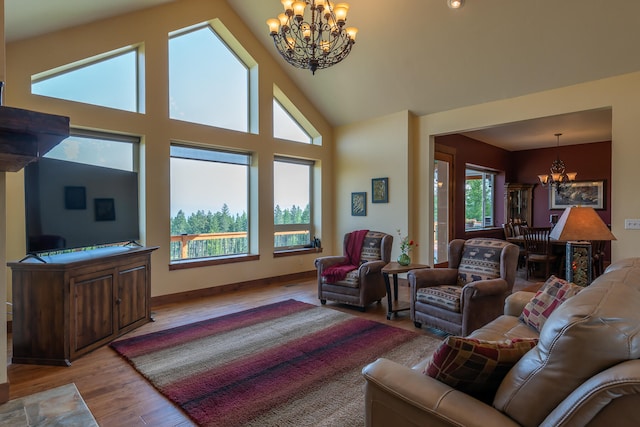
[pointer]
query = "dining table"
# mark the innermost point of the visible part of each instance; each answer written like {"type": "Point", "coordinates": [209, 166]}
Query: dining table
{"type": "Point", "coordinates": [558, 247]}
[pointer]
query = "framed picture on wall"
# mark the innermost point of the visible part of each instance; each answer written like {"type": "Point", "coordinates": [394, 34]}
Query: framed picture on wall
{"type": "Point", "coordinates": [380, 190]}
{"type": "Point", "coordinates": [75, 197]}
{"type": "Point", "coordinates": [104, 210]}
{"type": "Point", "coordinates": [359, 204]}
{"type": "Point", "coordinates": [582, 193]}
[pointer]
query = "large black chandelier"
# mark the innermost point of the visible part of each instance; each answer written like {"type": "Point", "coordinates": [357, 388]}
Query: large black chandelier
{"type": "Point", "coordinates": [311, 34]}
{"type": "Point", "coordinates": [558, 175]}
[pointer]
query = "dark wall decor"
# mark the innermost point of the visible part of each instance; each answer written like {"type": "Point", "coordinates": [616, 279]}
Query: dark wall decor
{"type": "Point", "coordinates": [75, 197]}
{"type": "Point", "coordinates": [579, 193]}
{"type": "Point", "coordinates": [105, 210]}
{"type": "Point", "coordinates": [380, 190]}
{"type": "Point", "coordinates": [359, 204]}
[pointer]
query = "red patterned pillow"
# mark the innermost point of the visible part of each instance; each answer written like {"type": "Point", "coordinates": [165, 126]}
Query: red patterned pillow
{"type": "Point", "coordinates": [476, 367]}
{"type": "Point", "coordinates": [553, 293]}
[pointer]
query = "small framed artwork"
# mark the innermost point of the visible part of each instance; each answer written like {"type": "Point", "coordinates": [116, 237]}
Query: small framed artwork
{"type": "Point", "coordinates": [359, 204]}
{"type": "Point", "coordinates": [75, 198]}
{"type": "Point", "coordinates": [104, 209]}
{"type": "Point", "coordinates": [380, 190]}
{"type": "Point", "coordinates": [583, 193]}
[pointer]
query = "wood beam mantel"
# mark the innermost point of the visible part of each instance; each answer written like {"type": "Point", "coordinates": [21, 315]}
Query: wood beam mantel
{"type": "Point", "coordinates": [26, 135]}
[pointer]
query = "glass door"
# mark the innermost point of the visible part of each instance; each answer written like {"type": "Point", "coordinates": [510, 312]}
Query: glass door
{"type": "Point", "coordinates": [442, 205]}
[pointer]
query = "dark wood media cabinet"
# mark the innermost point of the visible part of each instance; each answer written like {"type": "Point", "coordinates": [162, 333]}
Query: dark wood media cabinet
{"type": "Point", "coordinates": [74, 303]}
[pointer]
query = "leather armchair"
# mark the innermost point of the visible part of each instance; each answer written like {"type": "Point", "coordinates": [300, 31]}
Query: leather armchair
{"type": "Point", "coordinates": [470, 292]}
{"type": "Point", "coordinates": [364, 285]}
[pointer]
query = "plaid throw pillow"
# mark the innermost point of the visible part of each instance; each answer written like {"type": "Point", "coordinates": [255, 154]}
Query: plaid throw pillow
{"type": "Point", "coordinates": [480, 260]}
{"type": "Point", "coordinates": [476, 367]}
{"type": "Point", "coordinates": [553, 293]}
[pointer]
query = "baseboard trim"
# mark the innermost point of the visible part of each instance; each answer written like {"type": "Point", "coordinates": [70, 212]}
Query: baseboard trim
{"type": "Point", "coordinates": [231, 287]}
{"type": "Point", "coordinates": [4, 392]}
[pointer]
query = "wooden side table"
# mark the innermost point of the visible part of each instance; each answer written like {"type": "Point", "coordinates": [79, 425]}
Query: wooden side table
{"type": "Point", "coordinates": [393, 269]}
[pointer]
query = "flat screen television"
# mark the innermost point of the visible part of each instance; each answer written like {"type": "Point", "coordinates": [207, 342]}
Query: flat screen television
{"type": "Point", "coordinates": [72, 205]}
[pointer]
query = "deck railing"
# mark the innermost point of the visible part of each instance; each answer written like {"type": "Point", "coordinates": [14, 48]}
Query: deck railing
{"type": "Point", "coordinates": [188, 246]}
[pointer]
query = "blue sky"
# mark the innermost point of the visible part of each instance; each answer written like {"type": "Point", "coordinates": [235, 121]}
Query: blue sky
{"type": "Point", "coordinates": [198, 83]}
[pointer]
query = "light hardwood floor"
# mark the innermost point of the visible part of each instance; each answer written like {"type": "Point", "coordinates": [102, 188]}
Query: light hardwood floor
{"type": "Point", "coordinates": [118, 396]}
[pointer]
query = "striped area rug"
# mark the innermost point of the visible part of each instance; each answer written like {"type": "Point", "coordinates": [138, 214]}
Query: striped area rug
{"type": "Point", "coordinates": [285, 364]}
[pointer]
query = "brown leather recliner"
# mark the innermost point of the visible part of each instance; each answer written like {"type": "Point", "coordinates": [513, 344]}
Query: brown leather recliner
{"type": "Point", "coordinates": [364, 285]}
{"type": "Point", "coordinates": [470, 292]}
{"type": "Point", "coordinates": [584, 370]}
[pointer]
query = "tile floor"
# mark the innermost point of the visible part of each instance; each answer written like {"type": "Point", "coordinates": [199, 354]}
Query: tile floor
{"type": "Point", "coordinates": [60, 406]}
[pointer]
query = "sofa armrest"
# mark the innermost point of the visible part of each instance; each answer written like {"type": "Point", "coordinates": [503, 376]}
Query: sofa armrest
{"type": "Point", "coordinates": [425, 277]}
{"type": "Point", "coordinates": [371, 267]}
{"type": "Point", "coordinates": [484, 288]}
{"type": "Point", "coordinates": [608, 398]}
{"type": "Point", "coordinates": [514, 304]}
{"type": "Point", "coordinates": [327, 261]}
{"type": "Point", "coordinates": [398, 395]}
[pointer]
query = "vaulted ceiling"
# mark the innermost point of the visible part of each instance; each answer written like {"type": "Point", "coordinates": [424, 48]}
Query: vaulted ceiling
{"type": "Point", "coordinates": [421, 56]}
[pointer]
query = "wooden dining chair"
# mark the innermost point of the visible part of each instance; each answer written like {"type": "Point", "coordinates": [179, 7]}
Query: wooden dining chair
{"type": "Point", "coordinates": [597, 257]}
{"type": "Point", "coordinates": [538, 251]}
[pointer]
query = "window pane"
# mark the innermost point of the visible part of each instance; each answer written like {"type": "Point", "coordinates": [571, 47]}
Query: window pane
{"type": "Point", "coordinates": [95, 151]}
{"type": "Point", "coordinates": [292, 209]}
{"type": "Point", "coordinates": [110, 82]}
{"type": "Point", "coordinates": [285, 127]}
{"type": "Point", "coordinates": [209, 204]}
{"type": "Point", "coordinates": [208, 84]}
{"type": "Point", "coordinates": [478, 199]}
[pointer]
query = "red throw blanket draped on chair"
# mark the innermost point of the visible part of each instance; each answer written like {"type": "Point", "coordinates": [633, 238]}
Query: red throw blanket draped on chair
{"type": "Point", "coordinates": [338, 272]}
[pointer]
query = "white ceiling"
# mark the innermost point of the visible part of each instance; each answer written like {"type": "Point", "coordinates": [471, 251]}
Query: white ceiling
{"type": "Point", "coordinates": [421, 56]}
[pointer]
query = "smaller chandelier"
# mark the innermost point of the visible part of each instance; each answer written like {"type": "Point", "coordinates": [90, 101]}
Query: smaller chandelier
{"type": "Point", "coordinates": [558, 176]}
{"type": "Point", "coordinates": [312, 38]}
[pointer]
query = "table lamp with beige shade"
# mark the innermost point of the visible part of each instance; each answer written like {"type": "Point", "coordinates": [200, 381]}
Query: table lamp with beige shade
{"type": "Point", "coordinates": [578, 226]}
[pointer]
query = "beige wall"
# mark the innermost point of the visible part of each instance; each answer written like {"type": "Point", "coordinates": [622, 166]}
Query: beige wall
{"type": "Point", "coordinates": [378, 148]}
{"type": "Point", "coordinates": [621, 93]}
{"type": "Point", "coordinates": [151, 28]}
{"type": "Point", "coordinates": [383, 147]}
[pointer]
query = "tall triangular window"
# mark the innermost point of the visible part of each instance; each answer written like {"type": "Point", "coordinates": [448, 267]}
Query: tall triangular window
{"type": "Point", "coordinates": [109, 80]}
{"type": "Point", "coordinates": [208, 83]}
{"type": "Point", "coordinates": [289, 123]}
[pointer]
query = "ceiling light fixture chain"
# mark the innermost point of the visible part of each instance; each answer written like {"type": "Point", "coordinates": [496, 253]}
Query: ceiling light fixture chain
{"type": "Point", "coordinates": [311, 34]}
{"type": "Point", "coordinates": [558, 175]}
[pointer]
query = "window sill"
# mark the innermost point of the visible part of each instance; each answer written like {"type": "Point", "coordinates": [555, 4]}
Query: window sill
{"type": "Point", "coordinates": [300, 251]}
{"type": "Point", "coordinates": [471, 230]}
{"type": "Point", "coordinates": [205, 262]}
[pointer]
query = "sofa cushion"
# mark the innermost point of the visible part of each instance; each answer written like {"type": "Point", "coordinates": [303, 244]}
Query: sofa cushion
{"type": "Point", "coordinates": [445, 296]}
{"type": "Point", "coordinates": [371, 246]}
{"type": "Point", "coordinates": [474, 366]}
{"type": "Point", "coordinates": [480, 260]}
{"type": "Point", "coordinates": [553, 293]}
{"type": "Point", "coordinates": [590, 332]}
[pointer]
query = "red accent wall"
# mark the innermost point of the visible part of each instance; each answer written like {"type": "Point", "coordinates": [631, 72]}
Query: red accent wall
{"type": "Point", "coordinates": [591, 161]}
{"type": "Point", "coordinates": [471, 151]}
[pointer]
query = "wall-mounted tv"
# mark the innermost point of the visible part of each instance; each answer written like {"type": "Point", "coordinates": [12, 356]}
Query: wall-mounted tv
{"type": "Point", "coordinates": [72, 205]}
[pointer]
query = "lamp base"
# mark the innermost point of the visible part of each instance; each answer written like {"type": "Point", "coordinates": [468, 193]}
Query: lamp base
{"type": "Point", "coordinates": [579, 263]}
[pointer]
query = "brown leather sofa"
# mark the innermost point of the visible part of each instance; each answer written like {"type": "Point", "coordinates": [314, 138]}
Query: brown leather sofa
{"type": "Point", "coordinates": [584, 371]}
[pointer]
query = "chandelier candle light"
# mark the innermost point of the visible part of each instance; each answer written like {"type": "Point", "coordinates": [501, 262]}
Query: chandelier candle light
{"type": "Point", "coordinates": [558, 176]}
{"type": "Point", "coordinates": [311, 34]}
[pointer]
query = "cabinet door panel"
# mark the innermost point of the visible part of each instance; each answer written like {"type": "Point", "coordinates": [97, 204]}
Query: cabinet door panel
{"type": "Point", "coordinates": [92, 310]}
{"type": "Point", "coordinates": [132, 296]}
